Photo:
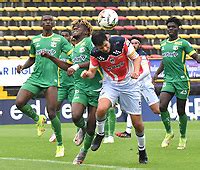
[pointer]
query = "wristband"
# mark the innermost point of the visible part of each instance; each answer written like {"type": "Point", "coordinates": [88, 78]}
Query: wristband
{"type": "Point", "coordinates": [75, 67]}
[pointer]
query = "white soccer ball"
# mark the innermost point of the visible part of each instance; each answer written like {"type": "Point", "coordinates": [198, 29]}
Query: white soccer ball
{"type": "Point", "coordinates": [107, 18]}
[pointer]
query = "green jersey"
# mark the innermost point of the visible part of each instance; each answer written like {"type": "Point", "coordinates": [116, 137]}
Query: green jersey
{"type": "Point", "coordinates": [174, 56]}
{"type": "Point", "coordinates": [45, 72]}
{"type": "Point", "coordinates": [81, 54]}
{"type": "Point", "coordinates": [64, 79]}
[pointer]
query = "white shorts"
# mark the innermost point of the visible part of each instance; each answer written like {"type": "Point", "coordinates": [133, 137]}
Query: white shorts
{"type": "Point", "coordinates": [149, 95]}
{"type": "Point", "coordinates": [128, 94]}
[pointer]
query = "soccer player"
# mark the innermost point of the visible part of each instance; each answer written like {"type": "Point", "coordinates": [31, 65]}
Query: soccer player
{"type": "Point", "coordinates": [146, 86]}
{"type": "Point", "coordinates": [116, 56]}
{"type": "Point", "coordinates": [66, 85]}
{"type": "Point", "coordinates": [176, 79]}
{"type": "Point", "coordinates": [86, 90]}
{"type": "Point", "coordinates": [44, 77]}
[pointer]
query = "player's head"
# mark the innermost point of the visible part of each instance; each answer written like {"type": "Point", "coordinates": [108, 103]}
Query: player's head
{"type": "Point", "coordinates": [136, 42]}
{"type": "Point", "coordinates": [173, 25]}
{"type": "Point", "coordinates": [47, 22]}
{"type": "Point", "coordinates": [67, 35]}
{"type": "Point", "coordinates": [81, 28]}
{"type": "Point", "coordinates": [107, 34]}
{"type": "Point", "coordinates": [101, 42]}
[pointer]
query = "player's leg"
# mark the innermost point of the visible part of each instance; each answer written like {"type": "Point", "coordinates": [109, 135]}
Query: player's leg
{"type": "Point", "coordinates": [51, 98]}
{"type": "Point", "coordinates": [165, 98]}
{"type": "Point", "coordinates": [26, 92]}
{"type": "Point", "coordinates": [182, 92]}
{"type": "Point", "coordinates": [182, 122]}
{"type": "Point", "coordinates": [90, 130]}
{"type": "Point", "coordinates": [106, 129]}
{"type": "Point", "coordinates": [139, 131]}
{"type": "Point", "coordinates": [111, 127]}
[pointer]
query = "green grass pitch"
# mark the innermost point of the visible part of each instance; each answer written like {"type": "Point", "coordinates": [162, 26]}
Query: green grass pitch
{"type": "Point", "coordinates": [20, 148]}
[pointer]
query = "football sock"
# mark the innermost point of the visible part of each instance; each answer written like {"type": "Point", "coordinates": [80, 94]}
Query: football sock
{"type": "Point", "coordinates": [57, 129]}
{"type": "Point", "coordinates": [141, 140]}
{"type": "Point", "coordinates": [129, 124]}
{"type": "Point", "coordinates": [100, 125]}
{"type": "Point", "coordinates": [111, 121]}
{"type": "Point", "coordinates": [87, 142]}
{"type": "Point", "coordinates": [183, 125]}
{"type": "Point", "coordinates": [28, 110]}
{"type": "Point", "coordinates": [166, 121]}
{"type": "Point", "coordinates": [81, 123]}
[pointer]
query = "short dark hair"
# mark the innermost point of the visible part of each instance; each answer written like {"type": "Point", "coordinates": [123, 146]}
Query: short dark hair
{"type": "Point", "coordinates": [137, 38]}
{"type": "Point", "coordinates": [98, 38]}
{"type": "Point", "coordinates": [175, 20]}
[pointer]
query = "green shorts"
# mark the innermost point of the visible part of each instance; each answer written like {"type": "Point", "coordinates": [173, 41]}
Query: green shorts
{"type": "Point", "coordinates": [181, 88]}
{"type": "Point", "coordinates": [86, 98]}
{"type": "Point", "coordinates": [35, 89]}
{"type": "Point", "coordinates": [65, 93]}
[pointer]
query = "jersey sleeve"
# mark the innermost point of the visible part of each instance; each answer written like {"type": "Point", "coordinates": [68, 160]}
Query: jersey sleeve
{"type": "Point", "coordinates": [66, 46]}
{"type": "Point", "coordinates": [32, 51]}
{"type": "Point", "coordinates": [188, 48]}
{"type": "Point", "coordinates": [93, 62]}
{"type": "Point", "coordinates": [131, 53]}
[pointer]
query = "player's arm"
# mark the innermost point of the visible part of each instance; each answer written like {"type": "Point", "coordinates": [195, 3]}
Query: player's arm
{"type": "Point", "coordinates": [71, 70]}
{"type": "Point", "coordinates": [27, 64]}
{"type": "Point", "coordinates": [134, 56]}
{"type": "Point", "coordinates": [58, 62]}
{"type": "Point", "coordinates": [159, 70]}
{"type": "Point", "coordinates": [145, 68]}
{"type": "Point", "coordinates": [92, 69]}
{"type": "Point", "coordinates": [196, 57]}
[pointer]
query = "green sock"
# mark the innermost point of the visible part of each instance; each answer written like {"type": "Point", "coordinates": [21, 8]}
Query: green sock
{"type": "Point", "coordinates": [81, 123]}
{"type": "Point", "coordinates": [106, 125]}
{"type": "Point", "coordinates": [87, 142]}
{"type": "Point", "coordinates": [58, 115]}
{"type": "Point", "coordinates": [111, 120]}
{"type": "Point", "coordinates": [28, 110]}
{"type": "Point", "coordinates": [183, 125]}
{"type": "Point", "coordinates": [166, 121]}
{"type": "Point", "coordinates": [57, 129]}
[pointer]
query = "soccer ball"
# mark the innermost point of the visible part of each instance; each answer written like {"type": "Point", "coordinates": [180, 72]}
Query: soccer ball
{"type": "Point", "coordinates": [107, 19]}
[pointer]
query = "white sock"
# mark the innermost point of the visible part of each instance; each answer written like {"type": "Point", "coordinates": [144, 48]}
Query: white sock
{"type": "Point", "coordinates": [128, 124]}
{"type": "Point", "coordinates": [100, 126]}
{"type": "Point", "coordinates": [141, 141]}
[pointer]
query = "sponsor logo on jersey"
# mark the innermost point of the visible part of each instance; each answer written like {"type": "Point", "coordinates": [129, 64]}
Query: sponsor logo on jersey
{"type": "Point", "coordinates": [82, 49]}
{"type": "Point", "coordinates": [50, 51]}
{"type": "Point", "coordinates": [55, 39]}
{"type": "Point", "coordinates": [36, 40]}
{"type": "Point", "coordinates": [116, 52]}
{"type": "Point", "coordinates": [79, 59]}
{"type": "Point", "coordinates": [121, 64]}
{"type": "Point", "coordinates": [53, 44]}
{"type": "Point", "coordinates": [170, 54]}
{"type": "Point", "coordinates": [112, 60]}
{"type": "Point", "coordinates": [175, 47]}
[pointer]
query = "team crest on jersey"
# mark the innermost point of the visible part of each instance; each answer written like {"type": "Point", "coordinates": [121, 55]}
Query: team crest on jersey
{"type": "Point", "coordinates": [82, 49]}
{"type": "Point", "coordinates": [53, 44]}
{"type": "Point", "coordinates": [112, 60]}
{"type": "Point", "coordinates": [175, 47]}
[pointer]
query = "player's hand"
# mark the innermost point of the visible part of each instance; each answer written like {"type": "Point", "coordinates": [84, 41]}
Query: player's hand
{"type": "Point", "coordinates": [70, 71]}
{"type": "Point", "coordinates": [84, 74]}
{"type": "Point", "coordinates": [135, 75]}
{"type": "Point", "coordinates": [19, 69]}
{"type": "Point", "coordinates": [45, 54]}
{"type": "Point", "coordinates": [154, 78]}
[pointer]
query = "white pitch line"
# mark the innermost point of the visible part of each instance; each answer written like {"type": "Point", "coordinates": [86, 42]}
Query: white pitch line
{"type": "Point", "coordinates": [69, 163]}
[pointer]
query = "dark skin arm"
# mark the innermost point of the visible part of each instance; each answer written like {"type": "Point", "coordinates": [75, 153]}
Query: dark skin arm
{"type": "Point", "coordinates": [160, 69]}
{"type": "Point", "coordinates": [27, 64]}
{"type": "Point", "coordinates": [196, 57]}
{"type": "Point", "coordinates": [63, 65]}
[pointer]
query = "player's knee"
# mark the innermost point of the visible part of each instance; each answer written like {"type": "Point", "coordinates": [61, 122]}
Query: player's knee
{"type": "Point", "coordinates": [139, 126]}
{"type": "Point", "coordinates": [162, 108]}
{"type": "Point", "coordinates": [101, 111]}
